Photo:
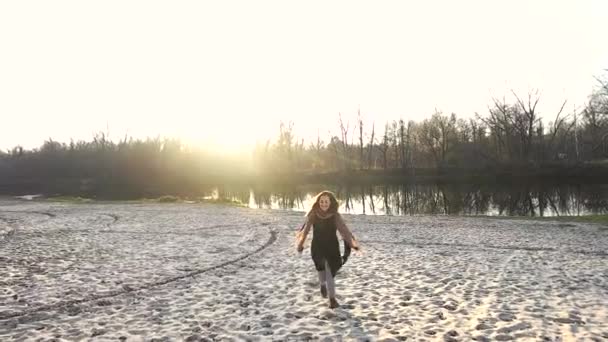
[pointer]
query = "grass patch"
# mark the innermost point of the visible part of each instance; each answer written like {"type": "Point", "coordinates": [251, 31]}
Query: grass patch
{"type": "Point", "coordinates": [222, 201]}
{"type": "Point", "coordinates": [161, 199]}
{"type": "Point", "coordinates": [176, 199]}
{"type": "Point", "coordinates": [197, 200]}
{"type": "Point", "coordinates": [169, 199]}
{"type": "Point", "coordinates": [70, 199]}
{"type": "Point", "coordinates": [599, 219]}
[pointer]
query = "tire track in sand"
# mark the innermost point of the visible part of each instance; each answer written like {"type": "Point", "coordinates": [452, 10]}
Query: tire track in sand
{"type": "Point", "coordinates": [128, 289]}
{"type": "Point", "coordinates": [185, 232]}
{"type": "Point", "coordinates": [12, 222]}
{"type": "Point", "coordinates": [114, 217]}
{"type": "Point", "coordinates": [29, 212]}
{"type": "Point", "coordinates": [482, 246]}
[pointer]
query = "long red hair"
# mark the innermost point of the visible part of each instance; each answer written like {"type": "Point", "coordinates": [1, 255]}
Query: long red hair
{"type": "Point", "coordinates": [315, 208]}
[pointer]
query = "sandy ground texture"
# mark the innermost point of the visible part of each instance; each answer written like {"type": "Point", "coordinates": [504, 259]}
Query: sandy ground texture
{"type": "Point", "coordinates": [171, 272]}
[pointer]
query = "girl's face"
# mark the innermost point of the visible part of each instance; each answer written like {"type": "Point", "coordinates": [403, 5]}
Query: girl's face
{"type": "Point", "coordinates": [324, 202]}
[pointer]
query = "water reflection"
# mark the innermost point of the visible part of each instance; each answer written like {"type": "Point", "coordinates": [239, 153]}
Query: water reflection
{"type": "Point", "coordinates": [439, 199]}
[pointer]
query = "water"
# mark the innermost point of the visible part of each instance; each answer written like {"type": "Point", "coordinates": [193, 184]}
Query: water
{"type": "Point", "coordinates": [436, 199]}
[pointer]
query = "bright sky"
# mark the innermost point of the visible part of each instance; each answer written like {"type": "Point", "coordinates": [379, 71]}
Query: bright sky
{"type": "Point", "coordinates": [226, 72]}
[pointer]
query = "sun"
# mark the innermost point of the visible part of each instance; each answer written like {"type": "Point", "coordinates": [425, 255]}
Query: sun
{"type": "Point", "coordinates": [233, 133]}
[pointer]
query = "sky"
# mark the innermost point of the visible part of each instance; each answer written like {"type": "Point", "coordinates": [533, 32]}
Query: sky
{"type": "Point", "coordinates": [226, 73]}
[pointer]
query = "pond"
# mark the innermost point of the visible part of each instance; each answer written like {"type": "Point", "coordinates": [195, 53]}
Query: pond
{"type": "Point", "coordinates": [436, 199]}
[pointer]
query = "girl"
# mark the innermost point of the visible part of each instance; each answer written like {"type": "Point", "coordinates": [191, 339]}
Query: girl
{"type": "Point", "coordinates": [325, 250]}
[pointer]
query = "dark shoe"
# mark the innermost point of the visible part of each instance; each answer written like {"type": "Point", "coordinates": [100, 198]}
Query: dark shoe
{"type": "Point", "coordinates": [333, 303]}
{"type": "Point", "coordinates": [323, 291]}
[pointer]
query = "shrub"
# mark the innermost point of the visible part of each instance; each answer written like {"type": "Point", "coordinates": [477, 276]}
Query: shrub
{"type": "Point", "coordinates": [169, 199]}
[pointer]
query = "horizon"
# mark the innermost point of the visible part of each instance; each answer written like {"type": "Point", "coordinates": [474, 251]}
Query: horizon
{"type": "Point", "coordinates": [225, 76]}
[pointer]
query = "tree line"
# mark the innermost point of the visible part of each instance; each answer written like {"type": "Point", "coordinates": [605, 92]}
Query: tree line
{"type": "Point", "coordinates": [510, 134]}
{"type": "Point", "coordinates": [103, 168]}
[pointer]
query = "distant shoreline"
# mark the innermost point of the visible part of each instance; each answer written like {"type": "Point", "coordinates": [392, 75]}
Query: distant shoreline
{"type": "Point", "coordinates": [500, 174]}
{"type": "Point", "coordinates": [118, 188]}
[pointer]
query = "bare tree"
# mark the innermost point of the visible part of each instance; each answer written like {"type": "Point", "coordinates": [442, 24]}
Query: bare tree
{"type": "Point", "coordinates": [384, 145]}
{"type": "Point", "coordinates": [510, 127]}
{"type": "Point", "coordinates": [317, 150]}
{"type": "Point", "coordinates": [370, 146]}
{"type": "Point", "coordinates": [499, 123]}
{"type": "Point", "coordinates": [394, 139]}
{"type": "Point", "coordinates": [402, 144]}
{"type": "Point", "coordinates": [525, 122]}
{"type": "Point", "coordinates": [360, 121]}
{"type": "Point", "coordinates": [560, 127]}
{"type": "Point", "coordinates": [410, 144]}
{"type": "Point", "coordinates": [344, 131]}
{"type": "Point", "coordinates": [437, 134]}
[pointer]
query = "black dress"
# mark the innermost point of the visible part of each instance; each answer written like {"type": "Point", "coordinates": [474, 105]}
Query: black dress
{"type": "Point", "coordinates": [325, 245]}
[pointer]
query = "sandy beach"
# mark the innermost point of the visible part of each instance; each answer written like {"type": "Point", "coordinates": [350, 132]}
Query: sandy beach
{"type": "Point", "coordinates": [172, 272]}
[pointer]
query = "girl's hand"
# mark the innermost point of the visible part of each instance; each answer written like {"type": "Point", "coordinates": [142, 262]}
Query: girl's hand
{"type": "Point", "coordinates": [300, 248]}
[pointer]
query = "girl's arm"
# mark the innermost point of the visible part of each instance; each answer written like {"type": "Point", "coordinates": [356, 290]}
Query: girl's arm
{"type": "Point", "coordinates": [302, 234]}
{"type": "Point", "coordinates": [347, 251]}
{"type": "Point", "coordinates": [346, 233]}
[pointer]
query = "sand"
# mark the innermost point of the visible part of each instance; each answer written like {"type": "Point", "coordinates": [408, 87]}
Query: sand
{"type": "Point", "coordinates": [171, 272]}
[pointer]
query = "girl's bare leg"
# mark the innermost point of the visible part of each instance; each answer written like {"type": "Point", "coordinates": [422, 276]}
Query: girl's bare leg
{"type": "Point", "coordinates": [322, 282]}
{"type": "Point", "coordinates": [331, 287]}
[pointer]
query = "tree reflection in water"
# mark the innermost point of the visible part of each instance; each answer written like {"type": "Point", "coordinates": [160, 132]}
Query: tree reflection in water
{"type": "Point", "coordinates": [436, 199]}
